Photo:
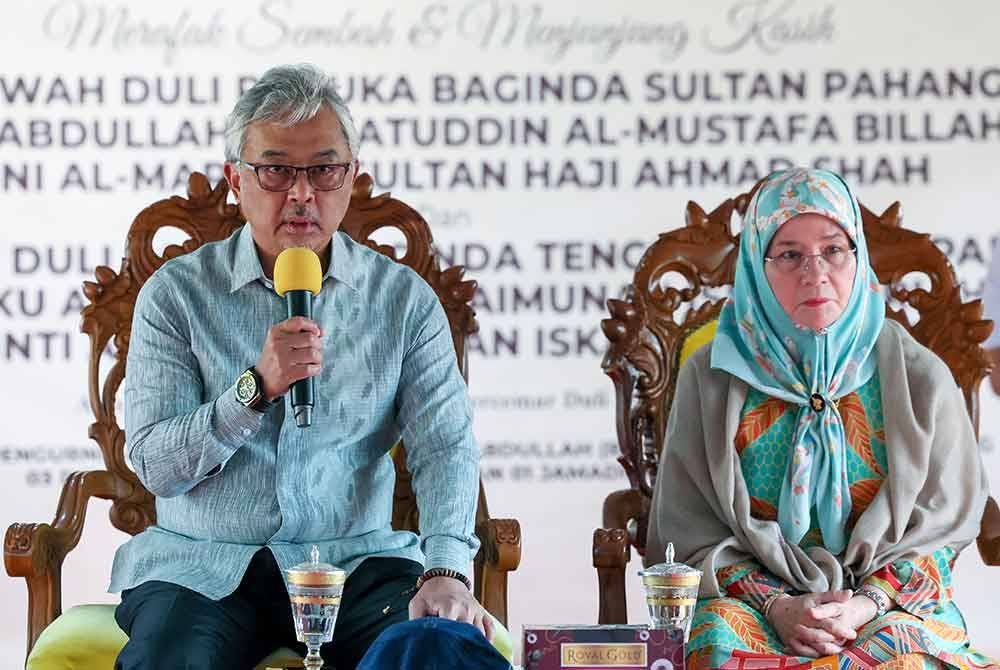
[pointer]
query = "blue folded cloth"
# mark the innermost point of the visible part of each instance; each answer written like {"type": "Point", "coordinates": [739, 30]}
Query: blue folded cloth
{"type": "Point", "coordinates": [431, 643]}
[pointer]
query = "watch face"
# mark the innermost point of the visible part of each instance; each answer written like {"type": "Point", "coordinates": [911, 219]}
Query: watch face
{"type": "Point", "coordinates": [246, 387]}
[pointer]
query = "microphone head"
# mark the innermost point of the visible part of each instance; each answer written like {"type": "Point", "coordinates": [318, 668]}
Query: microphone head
{"type": "Point", "coordinates": [297, 269]}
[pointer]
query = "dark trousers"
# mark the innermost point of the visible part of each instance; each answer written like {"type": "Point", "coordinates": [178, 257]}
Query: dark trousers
{"type": "Point", "coordinates": [170, 626]}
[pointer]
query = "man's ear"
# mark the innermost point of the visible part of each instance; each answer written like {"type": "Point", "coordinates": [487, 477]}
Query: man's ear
{"type": "Point", "coordinates": [233, 177]}
{"type": "Point", "coordinates": [355, 167]}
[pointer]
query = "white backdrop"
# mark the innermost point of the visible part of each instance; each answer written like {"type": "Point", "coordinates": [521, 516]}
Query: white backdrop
{"type": "Point", "coordinates": [547, 144]}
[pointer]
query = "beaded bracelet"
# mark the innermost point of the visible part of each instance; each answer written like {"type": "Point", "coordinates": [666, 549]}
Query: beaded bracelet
{"type": "Point", "coordinates": [443, 572]}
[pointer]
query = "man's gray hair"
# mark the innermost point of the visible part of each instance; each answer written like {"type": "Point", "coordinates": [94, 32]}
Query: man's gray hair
{"type": "Point", "coordinates": [287, 95]}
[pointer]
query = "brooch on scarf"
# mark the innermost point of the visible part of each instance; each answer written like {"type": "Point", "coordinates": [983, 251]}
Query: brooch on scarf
{"type": "Point", "coordinates": [817, 403]}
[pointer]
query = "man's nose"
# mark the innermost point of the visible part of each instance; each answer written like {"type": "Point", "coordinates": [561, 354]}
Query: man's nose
{"type": "Point", "coordinates": [301, 189]}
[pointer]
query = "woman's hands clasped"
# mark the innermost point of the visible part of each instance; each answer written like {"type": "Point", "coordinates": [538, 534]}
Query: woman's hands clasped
{"type": "Point", "coordinates": [820, 624]}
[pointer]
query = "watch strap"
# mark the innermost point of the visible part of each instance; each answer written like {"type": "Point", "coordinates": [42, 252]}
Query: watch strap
{"type": "Point", "coordinates": [877, 597]}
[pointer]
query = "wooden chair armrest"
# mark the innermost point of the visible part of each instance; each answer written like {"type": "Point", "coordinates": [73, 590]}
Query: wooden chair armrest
{"type": "Point", "coordinates": [989, 534]}
{"type": "Point", "coordinates": [36, 551]}
{"type": "Point", "coordinates": [611, 557]}
{"type": "Point", "coordinates": [621, 507]}
{"type": "Point", "coordinates": [499, 553]}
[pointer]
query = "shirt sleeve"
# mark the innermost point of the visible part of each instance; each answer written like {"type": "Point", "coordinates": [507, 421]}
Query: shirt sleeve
{"type": "Point", "coordinates": [750, 582]}
{"type": "Point", "coordinates": [919, 585]}
{"type": "Point", "coordinates": [435, 417]}
{"type": "Point", "coordinates": [174, 439]}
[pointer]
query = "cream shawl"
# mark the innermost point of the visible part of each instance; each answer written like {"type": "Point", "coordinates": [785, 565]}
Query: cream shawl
{"type": "Point", "coordinates": [933, 495]}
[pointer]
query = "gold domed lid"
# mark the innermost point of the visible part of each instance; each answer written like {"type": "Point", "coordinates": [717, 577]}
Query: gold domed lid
{"type": "Point", "coordinates": [315, 573]}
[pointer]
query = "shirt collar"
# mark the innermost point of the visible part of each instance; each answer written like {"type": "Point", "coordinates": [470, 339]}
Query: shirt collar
{"type": "Point", "coordinates": [246, 264]}
{"type": "Point", "coordinates": [341, 265]}
{"type": "Point", "coordinates": [247, 268]}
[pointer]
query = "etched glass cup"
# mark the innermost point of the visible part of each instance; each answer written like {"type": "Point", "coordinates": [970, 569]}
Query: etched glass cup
{"type": "Point", "coordinates": [314, 589]}
{"type": "Point", "coordinates": [671, 594]}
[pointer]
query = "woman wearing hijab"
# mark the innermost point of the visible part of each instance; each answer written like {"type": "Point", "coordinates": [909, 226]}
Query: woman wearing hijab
{"type": "Point", "coordinates": [820, 466]}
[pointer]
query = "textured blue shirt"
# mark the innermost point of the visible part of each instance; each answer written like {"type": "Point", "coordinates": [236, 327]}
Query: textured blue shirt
{"type": "Point", "coordinates": [229, 480]}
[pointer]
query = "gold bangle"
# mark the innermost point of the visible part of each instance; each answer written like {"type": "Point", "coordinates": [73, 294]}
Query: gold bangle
{"type": "Point", "coordinates": [765, 609]}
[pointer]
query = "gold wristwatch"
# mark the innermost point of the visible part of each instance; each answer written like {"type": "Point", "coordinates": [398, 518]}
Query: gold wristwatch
{"type": "Point", "coordinates": [250, 391]}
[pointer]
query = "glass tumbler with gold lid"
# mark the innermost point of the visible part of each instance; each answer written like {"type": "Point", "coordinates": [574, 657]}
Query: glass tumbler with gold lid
{"type": "Point", "coordinates": [671, 593]}
{"type": "Point", "coordinates": [314, 589]}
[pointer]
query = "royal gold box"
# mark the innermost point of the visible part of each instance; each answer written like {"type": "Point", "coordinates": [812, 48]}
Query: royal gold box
{"type": "Point", "coordinates": [602, 647]}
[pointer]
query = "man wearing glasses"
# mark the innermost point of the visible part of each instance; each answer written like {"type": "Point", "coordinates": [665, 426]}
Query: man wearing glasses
{"type": "Point", "coordinates": [241, 492]}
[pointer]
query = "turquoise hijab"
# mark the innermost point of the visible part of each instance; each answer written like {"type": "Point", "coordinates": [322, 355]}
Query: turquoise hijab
{"type": "Point", "coordinates": [759, 343]}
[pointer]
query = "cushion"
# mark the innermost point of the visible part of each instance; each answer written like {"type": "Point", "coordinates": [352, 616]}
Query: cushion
{"type": "Point", "coordinates": [697, 339]}
{"type": "Point", "coordinates": [86, 637]}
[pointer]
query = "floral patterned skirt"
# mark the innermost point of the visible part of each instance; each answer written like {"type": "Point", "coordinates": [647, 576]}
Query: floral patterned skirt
{"type": "Point", "coordinates": [730, 634]}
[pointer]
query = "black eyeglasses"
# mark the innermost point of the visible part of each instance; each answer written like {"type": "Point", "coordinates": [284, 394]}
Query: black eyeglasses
{"type": "Point", "coordinates": [327, 177]}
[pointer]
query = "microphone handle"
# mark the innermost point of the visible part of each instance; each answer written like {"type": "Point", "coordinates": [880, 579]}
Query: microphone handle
{"type": "Point", "coordinates": [300, 303]}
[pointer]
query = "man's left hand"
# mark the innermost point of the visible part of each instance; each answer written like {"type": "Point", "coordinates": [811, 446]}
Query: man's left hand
{"type": "Point", "coordinates": [449, 599]}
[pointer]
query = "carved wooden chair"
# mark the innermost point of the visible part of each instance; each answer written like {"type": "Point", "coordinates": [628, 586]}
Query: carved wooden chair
{"type": "Point", "coordinates": [651, 326]}
{"type": "Point", "coordinates": [36, 551]}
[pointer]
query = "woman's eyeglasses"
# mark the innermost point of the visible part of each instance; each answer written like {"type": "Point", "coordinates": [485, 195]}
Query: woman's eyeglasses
{"type": "Point", "coordinates": [835, 257]}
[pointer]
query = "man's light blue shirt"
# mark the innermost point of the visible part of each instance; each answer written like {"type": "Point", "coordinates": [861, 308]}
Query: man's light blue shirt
{"type": "Point", "coordinates": [229, 480]}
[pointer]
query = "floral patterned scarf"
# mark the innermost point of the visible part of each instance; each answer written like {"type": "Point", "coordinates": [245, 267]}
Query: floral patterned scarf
{"type": "Point", "coordinates": [758, 342]}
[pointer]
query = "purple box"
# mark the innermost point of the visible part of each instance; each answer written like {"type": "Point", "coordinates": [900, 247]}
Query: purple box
{"type": "Point", "coordinates": [601, 647]}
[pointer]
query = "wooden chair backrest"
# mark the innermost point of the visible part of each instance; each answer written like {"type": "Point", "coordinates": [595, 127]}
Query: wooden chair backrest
{"type": "Point", "coordinates": [205, 216]}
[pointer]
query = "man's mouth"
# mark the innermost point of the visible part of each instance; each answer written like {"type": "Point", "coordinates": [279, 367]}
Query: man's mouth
{"type": "Point", "coordinates": [299, 225]}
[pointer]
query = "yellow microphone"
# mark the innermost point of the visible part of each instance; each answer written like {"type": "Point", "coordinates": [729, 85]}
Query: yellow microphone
{"type": "Point", "coordinates": [298, 276]}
